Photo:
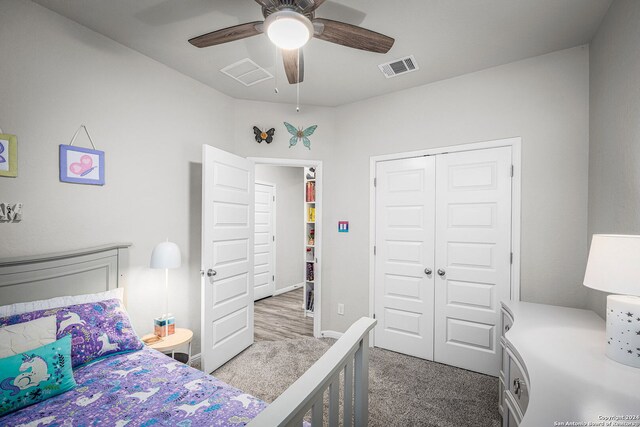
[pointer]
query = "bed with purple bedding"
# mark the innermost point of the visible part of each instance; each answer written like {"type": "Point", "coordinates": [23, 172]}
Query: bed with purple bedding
{"type": "Point", "coordinates": [113, 380]}
{"type": "Point", "coordinates": [143, 388]}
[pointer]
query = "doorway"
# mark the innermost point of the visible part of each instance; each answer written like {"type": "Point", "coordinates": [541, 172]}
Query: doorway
{"type": "Point", "coordinates": [297, 242]}
{"type": "Point", "coordinates": [445, 231]}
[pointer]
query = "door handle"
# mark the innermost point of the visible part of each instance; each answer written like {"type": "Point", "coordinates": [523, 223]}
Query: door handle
{"type": "Point", "coordinates": [441, 272]}
{"type": "Point", "coordinates": [427, 271]}
{"type": "Point", "coordinates": [211, 272]}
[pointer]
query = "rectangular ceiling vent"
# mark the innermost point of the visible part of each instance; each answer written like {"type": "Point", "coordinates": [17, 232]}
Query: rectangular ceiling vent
{"type": "Point", "coordinates": [399, 66]}
{"type": "Point", "coordinates": [247, 72]}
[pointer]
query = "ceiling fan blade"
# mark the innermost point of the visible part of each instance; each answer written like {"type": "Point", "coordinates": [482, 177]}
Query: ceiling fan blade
{"type": "Point", "coordinates": [229, 34]}
{"type": "Point", "coordinates": [290, 59]}
{"type": "Point", "coordinates": [267, 4]}
{"type": "Point", "coordinates": [311, 5]}
{"type": "Point", "coordinates": [351, 36]}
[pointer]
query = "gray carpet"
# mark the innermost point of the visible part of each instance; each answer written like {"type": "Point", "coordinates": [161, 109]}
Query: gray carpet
{"type": "Point", "coordinates": [403, 390]}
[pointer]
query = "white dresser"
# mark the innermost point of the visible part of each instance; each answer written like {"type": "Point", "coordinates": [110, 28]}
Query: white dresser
{"type": "Point", "coordinates": [554, 370]}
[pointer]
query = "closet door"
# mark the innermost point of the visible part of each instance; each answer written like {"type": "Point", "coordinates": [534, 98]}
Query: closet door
{"type": "Point", "coordinates": [473, 256]}
{"type": "Point", "coordinates": [404, 256]}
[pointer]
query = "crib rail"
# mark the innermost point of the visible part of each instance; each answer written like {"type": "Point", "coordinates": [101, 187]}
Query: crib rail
{"type": "Point", "coordinates": [350, 354]}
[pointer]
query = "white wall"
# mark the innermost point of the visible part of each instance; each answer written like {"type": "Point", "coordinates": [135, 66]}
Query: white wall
{"type": "Point", "coordinates": [289, 183]}
{"type": "Point", "coordinates": [544, 100]}
{"type": "Point", "coordinates": [150, 120]}
{"type": "Point", "coordinates": [614, 151]}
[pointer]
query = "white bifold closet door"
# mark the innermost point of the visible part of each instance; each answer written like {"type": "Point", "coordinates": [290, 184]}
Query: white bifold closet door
{"type": "Point", "coordinates": [264, 242]}
{"type": "Point", "coordinates": [463, 236]}
{"type": "Point", "coordinates": [404, 252]}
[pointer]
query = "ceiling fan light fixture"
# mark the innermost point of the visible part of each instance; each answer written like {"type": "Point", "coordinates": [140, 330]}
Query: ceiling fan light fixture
{"type": "Point", "coordinates": [288, 29]}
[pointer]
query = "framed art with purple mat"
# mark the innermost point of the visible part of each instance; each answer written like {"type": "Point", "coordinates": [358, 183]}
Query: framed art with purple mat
{"type": "Point", "coordinates": [81, 165]}
{"type": "Point", "coordinates": [8, 155]}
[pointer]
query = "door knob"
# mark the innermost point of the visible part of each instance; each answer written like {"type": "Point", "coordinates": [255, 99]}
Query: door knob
{"type": "Point", "coordinates": [427, 271]}
{"type": "Point", "coordinates": [211, 272]}
{"type": "Point", "coordinates": [441, 272]}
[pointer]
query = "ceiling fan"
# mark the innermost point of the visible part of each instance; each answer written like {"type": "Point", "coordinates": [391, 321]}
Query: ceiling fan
{"type": "Point", "coordinates": [290, 24]}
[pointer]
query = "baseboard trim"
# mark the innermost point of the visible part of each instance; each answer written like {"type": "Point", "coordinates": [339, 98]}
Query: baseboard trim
{"type": "Point", "coordinates": [331, 334]}
{"type": "Point", "coordinates": [288, 289]}
{"type": "Point", "coordinates": [195, 359]}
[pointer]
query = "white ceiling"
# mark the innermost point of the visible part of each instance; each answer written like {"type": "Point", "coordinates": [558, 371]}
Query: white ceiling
{"type": "Point", "coordinates": [447, 37]}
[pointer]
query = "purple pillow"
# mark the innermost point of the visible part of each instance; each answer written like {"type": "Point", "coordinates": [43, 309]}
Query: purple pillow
{"type": "Point", "coordinates": [97, 329]}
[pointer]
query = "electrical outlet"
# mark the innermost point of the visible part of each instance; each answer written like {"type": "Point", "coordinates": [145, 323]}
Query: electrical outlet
{"type": "Point", "coordinates": [341, 309]}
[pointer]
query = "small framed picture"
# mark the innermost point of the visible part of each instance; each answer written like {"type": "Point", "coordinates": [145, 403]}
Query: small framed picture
{"type": "Point", "coordinates": [8, 155]}
{"type": "Point", "coordinates": [81, 165]}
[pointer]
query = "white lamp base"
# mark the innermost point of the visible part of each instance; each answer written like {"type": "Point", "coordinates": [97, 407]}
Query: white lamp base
{"type": "Point", "coordinates": [623, 329]}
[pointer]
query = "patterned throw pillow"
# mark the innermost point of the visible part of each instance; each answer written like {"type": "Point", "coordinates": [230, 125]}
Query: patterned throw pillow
{"type": "Point", "coordinates": [98, 329]}
{"type": "Point", "coordinates": [35, 375]}
{"type": "Point", "coordinates": [22, 337]}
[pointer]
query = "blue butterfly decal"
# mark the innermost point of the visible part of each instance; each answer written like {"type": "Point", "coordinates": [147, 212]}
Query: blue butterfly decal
{"type": "Point", "coordinates": [2, 159]}
{"type": "Point", "coordinates": [300, 135]}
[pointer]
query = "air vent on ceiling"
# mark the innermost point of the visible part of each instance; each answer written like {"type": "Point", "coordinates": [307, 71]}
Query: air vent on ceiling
{"type": "Point", "coordinates": [247, 72]}
{"type": "Point", "coordinates": [399, 66]}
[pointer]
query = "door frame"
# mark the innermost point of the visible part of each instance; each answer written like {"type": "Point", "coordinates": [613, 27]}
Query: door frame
{"type": "Point", "coordinates": [516, 189]}
{"type": "Point", "coordinates": [273, 218]}
{"type": "Point", "coordinates": [317, 164]}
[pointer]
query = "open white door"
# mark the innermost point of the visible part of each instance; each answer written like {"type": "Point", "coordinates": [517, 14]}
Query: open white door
{"type": "Point", "coordinates": [264, 243]}
{"type": "Point", "coordinates": [227, 256]}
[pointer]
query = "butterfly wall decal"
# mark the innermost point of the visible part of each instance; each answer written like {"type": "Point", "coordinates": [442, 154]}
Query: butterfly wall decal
{"type": "Point", "coordinates": [300, 135]}
{"type": "Point", "coordinates": [263, 136]}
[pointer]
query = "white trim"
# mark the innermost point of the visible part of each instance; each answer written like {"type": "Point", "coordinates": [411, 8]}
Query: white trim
{"type": "Point", "coordinates": [331, 334]}
{"type": "Point", "coordinates": [288, 289]}
{"type": "Point", "coordinates": [516, 196]}
{"type": "Point", "coordinates": [317, 164]}
{"type": "Point", "coordinates": [195, 358]}
{"type": "Point", "coordinates": [274, 226]}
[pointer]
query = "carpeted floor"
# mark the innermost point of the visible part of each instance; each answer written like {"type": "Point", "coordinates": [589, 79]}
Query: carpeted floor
{"type": "Point", "coordinates": [403, 390]}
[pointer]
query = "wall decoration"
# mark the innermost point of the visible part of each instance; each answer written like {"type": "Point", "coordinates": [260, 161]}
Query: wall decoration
{"type": "Point", "coordinates": [300, 135]}
{"type": "Point", "coordinates": [263, 136]}
{"type": "Point", "coordinates": [343, 226]}
{"type": "Point", "coordinates": [10, 212]}
{"type": "Point", "coordinates": [8, 155]}
{"type": "Point", "coordinates": [81, 165]}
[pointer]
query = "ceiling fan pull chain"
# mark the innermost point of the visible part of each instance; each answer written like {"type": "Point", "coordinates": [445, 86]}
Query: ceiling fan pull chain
{"type": "Point", "coordinates": [298, 86]}
{"type": "Point", "coordinates": [275, 89]}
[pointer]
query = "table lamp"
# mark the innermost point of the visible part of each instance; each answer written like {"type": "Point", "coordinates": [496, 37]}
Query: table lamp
{"type": "Point", "coordinates": [614, 266]}
{"type": "Point", "coordinates": [166, 255]}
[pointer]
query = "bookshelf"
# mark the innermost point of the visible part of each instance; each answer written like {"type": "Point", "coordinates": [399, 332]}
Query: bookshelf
{"type": "Point", "coordinates": [309, 240]}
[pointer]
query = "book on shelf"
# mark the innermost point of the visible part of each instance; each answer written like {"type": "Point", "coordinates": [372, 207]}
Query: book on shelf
{"type": "Point", "coordinates": [310, 300]}
{"type": "Point", "coordinates": [310, 271]}
{"type": "Point", "coordinates": [311, 192]}
{"type": "Point", "coordinates": [311, 214]}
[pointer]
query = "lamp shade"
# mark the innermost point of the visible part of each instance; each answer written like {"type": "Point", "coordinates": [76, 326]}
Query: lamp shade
{"type": "Point", "coordinates": [166, 255]}
{"type": "Point", "coordinates": [614, 264]}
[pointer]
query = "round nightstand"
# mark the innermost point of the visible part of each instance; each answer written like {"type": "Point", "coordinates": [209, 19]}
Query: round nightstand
{"type": "Point", "coordinates": [170, 343]}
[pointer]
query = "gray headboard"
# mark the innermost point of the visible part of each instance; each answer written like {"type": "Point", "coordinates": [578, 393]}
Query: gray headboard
{"type": "Point", "coordinates": [78, 272]}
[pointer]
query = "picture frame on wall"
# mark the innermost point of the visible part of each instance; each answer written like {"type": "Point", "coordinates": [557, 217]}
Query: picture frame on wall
{"type": "Point", "coordinates": [8, 155]}
{"type": "Point", "coordinates": [80, 165]}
